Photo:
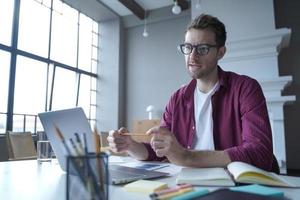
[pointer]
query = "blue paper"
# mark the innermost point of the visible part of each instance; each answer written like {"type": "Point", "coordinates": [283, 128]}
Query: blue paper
{"type": "Point", "coordinates": [259, 189]}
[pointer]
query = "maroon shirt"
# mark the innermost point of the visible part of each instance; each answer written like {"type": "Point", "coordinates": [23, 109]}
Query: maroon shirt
{"type": "Point", "coordinates": [241, 124]}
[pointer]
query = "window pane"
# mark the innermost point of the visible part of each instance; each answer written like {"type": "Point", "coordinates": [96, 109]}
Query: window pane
{"type": "Point", "coordinates": [30, 87]}
{"type": "Point", "coordinates": [85, 94]}
{"type": "Point", "coordinates": [64, 91]}
{"type": "Point", "coordinates": [46, 3]}
{"type": "Point", "coordinates": [39, 126]}
{"type": "Point", "coordinates": [18, 121]}
{"type": "Point", "coordinates": [85, 43]}
{"type": "Point", "coordinates": [64, 34]}
{"type": "Point", "coordinates": [2, 123]}
{"type": "Point", "coordinates": [95, 39]}
{"type": "Point", "coordinates": [95, 53]}
{"type": "Point", "coordinates": [93, 112]}
{"type": "Point", "coordinates": [30, 124]}
{"type": "Point", "coordinates": [94, 66]}
{"type": "Point", "coordinates": [94, 83]}
{"type": "Point", "coordinates": [4, 78]}
{"type": "Point", "coordinates": [34, 27]}
{"type": "Point", "coordinates": [6, 17]}
{"type": "Point", "coordinates": [95, 27]}
{"type": "Point", "coordinates": [93, 97]}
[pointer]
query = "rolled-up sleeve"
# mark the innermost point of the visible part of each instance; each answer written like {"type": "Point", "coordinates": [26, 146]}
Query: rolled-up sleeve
{"type": "Point", "coordinates": [256, 147]}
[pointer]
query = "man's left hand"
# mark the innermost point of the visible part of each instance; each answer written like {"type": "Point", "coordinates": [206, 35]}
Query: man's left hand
{"type": "Point", "coordinates": [163, 142]}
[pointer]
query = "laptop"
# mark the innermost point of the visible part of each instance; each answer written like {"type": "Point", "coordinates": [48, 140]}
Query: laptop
{"type": "Point", "coordinates": [73, 120]}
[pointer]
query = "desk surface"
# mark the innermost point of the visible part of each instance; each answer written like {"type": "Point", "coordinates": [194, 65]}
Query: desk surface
{"type": "Point", "coordinates": [29, 180]}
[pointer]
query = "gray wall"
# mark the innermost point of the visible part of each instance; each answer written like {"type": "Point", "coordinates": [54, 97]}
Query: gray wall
{"type": "Point", "coordinates": [287, 15]}
{"type": "Point", "coordinates": [154, 69]}
{"type": "Point", "coordinates": [110, 95]}
{"type": "Point", "coordinates": [154, 66]}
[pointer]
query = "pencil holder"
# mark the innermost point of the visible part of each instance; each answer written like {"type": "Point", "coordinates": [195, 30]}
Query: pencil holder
{"type": "Point", "coordinates": [87, 177]}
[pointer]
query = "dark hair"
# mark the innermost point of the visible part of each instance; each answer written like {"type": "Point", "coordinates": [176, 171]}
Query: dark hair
{"type": "Point", "coordinates": [212, 23]}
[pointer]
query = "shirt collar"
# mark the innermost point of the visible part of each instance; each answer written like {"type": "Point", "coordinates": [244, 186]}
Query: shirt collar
{"type": "Point", "coordinates": [223, 81]}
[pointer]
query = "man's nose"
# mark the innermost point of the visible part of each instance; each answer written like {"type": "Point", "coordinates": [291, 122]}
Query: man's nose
{"type": "Point", "coordinates": [194, 55]}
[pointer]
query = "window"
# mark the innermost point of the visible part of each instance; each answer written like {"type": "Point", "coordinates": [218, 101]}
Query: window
{"type": "Point", "coordinates": [4, 75]}
{"type": "Point", "coordinates": [34, 28]}
{"type": "Point", "coordinates": [6, 17]}
{"type": "Point", "coordinates": [65, 88]}
{"type": "Point", "coordinates": [53, 64]}
{"type": "Point", "coordinates": [64, 34]}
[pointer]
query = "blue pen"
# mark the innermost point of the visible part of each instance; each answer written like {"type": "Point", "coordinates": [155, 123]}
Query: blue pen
{"type": "Point", "coordinates": [85, 144]}
{"type": "Point", "coordinates": [79, 143]}
{"type": "Point", "coordinates": [191, 195]}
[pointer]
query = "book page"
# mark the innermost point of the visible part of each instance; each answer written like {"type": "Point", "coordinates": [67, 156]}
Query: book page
{"type": "Point", "coordinates": [246, 173]}
{"type": "Point", "coordinates": [205, 176]}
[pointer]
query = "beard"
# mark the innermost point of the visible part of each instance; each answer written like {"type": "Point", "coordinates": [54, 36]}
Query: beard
{"type": "Point", "coordinates": [201, 72]}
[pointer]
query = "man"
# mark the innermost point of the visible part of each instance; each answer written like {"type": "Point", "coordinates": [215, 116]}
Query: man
{"type": "Point", "coordinates": [217, 118]}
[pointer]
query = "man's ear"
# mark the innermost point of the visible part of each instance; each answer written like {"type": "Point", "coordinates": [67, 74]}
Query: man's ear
{"type": "Point", "coordinates": [221, 52]}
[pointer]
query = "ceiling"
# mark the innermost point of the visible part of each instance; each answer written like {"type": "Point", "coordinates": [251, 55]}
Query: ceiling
{"type": "Point", "coordinates": [121, 10]}
{"type": "Point", "coordinates": [102, 10]}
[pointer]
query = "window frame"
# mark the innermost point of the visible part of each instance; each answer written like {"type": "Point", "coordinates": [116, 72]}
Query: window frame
{"type": "Point", "coordinates": [15, 52]}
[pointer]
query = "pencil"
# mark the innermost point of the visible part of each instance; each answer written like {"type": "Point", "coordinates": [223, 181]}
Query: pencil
{"type": "Point", "coordinates": [170, 190]}
{"type": "Point", "coordinates": [61, 137]}
{"type": "Point", "coordinates": [97, 139]}
{"type": "Point", "coordinates": [100, 164]}
{"type": "Point", "coordinates": [135, 134]}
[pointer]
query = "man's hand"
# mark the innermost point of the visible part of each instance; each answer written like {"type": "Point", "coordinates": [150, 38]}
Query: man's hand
{"type": "Point", "coordinates": [164, 143]}
{"type": "Point", "coordinates": [118, 142]}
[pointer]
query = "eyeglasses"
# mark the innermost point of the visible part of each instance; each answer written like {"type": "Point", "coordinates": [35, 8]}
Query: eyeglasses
{"type": "Point", "coordinates": [202, 49]}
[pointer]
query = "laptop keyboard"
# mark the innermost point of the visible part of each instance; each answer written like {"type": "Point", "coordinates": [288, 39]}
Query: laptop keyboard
{"type": "Point", "coordinates": [119, 177]}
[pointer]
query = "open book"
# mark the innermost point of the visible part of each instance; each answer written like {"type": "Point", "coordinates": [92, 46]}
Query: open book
{"type": "Point", "coordinates": [236, 172]}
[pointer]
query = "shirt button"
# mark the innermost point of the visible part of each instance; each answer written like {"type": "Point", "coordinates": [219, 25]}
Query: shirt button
{"type": "Point", "coordinates": [189, 147]}
{"type": "Point", "coordinates": [193, 127]}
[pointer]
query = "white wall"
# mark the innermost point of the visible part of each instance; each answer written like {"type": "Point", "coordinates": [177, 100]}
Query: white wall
{"type": "Point", "coordinates": [111, 75]}
{"type": "Point", "coordinates": [154, 66]}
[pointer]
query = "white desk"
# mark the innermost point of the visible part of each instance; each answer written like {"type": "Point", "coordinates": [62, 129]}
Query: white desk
{"type": "Point", "coordinates": [28, 180]}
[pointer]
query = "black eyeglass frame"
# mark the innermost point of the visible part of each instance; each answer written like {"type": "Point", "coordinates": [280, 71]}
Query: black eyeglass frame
{"type": "Point", "coordinates": [207, 46]}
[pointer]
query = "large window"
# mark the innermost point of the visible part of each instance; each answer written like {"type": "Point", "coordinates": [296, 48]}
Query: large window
{"type": "Point", "coordinates": [4, 74]}
{"type": "Point", "coordinates": [48, 61]}
{"type": "Point", "coordinates": [34, 28]}
{"type": "Point", "coordinates": [6, 17]}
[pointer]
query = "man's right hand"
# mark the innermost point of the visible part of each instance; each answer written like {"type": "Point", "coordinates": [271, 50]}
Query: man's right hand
{"type": "Point", "coordinates": [118, 142]}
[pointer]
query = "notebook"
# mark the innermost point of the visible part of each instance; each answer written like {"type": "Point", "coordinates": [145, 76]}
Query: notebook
{"type": "Point", "coordinates": [73, 120]}
{"type": "Point", "coordinates": [236, 172]}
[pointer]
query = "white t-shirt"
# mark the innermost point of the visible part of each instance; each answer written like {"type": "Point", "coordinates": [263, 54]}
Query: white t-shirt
{"type": "Point", "coordinates": [203, 139]}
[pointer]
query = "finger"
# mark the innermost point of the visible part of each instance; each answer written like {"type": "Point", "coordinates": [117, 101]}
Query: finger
{"type": "Point", "coordinates": [153, 130]}
{"type": "Point", "coordinates": [160, 137]}
{"type": "Point", "coordinates": [119, 148]}
{"type": "Point", "coordinates": [117, 140]}
{"type": "Point", "coordinates": [161, 152]}
{"type": "Point", "coordinates": [112, 132]}
{"type": "Point", "coordinates": [165, 131]}
{"type": "Point", "coordinates": [154, 140]}
{"type": "Point", "coordinates": [124, 147]}
{"type": "Point", "coordinates": [123, 130]}
{"type": "Point", "coordinates": [158, 145]}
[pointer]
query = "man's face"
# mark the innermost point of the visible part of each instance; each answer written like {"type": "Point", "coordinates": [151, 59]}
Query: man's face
{"type": "Point", "coordinates": [202, 66]}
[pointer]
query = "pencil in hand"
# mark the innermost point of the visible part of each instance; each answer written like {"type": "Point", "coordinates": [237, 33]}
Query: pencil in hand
{"type": "Point", "coordinates": [97, 140]}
